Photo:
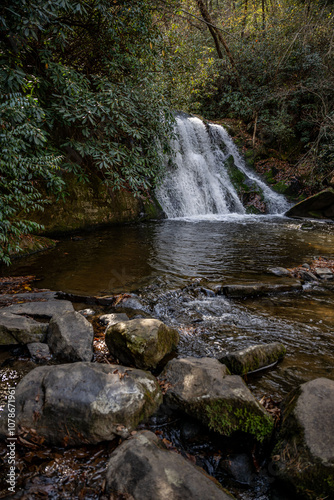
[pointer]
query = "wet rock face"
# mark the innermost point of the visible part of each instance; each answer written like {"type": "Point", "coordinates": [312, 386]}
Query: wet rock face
{"type": "Point", "coordinates": [254, 358]}
{"type": "Point", "coordinates": [305, 451]}
{"type": "Point", "coordinates": [142, 468]}
{"type": "Point", "coordinates": [70, 337]}
{"type": "Point", "coordinates": [141, 342]}
{"type": "Point", "coordinates": [84, 402]}
{"type": "Point", "coordinates": [203, 388]}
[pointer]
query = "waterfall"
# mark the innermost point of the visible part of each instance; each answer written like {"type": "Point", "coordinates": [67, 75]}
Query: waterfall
{"type": "Point", "coordinates": [200, 183]}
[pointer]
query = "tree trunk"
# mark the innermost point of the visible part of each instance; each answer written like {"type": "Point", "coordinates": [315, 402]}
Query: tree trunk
{"type": "Point", "coordinates": [217, 36]}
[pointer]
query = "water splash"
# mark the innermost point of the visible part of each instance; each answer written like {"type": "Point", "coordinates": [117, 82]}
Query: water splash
{"type": "Point", "coordinates": [200, 185]}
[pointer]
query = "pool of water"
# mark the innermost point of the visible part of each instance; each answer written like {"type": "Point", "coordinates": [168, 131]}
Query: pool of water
{"type": "Point", "coordinates": [124, 258]}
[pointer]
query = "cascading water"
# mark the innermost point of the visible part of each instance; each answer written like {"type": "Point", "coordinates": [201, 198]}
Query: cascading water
{"type": "Point", "coordinates": [200, 184]}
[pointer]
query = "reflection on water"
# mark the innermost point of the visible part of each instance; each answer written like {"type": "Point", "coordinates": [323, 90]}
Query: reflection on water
{"type": "Point", "coordinates": [127, 257]}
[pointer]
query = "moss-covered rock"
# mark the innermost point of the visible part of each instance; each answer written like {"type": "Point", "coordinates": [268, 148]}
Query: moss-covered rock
{"type": "Point", "coordinates": [204, 389]}
{"type": "Point", "coordinates": [304, 454]}
{"type": "Point", "coordinates": [92, 203]}
{"type": "Point", "coordinates": [254, 358]}
{"type": "Point", "coordinates": [141, 342]}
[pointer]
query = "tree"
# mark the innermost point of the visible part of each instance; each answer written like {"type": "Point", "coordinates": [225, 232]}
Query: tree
{"type": "Point", "coordinates": [77, 77]}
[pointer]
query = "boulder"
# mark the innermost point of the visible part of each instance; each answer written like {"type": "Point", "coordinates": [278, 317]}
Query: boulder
{"type": "Point", "coordinates": [40, 353]}
{"type": "Point", "coordinates": [112, 319]}
{"type": "Point", "coordinates": [70, 337]}
{"type": "Point", "coordinates": [320, 206]}
{"type": "Point", "coordinates": [259, 289]}
{"type": "Point", "coordinates": [133, 307]}
{"type": "Point", "coordinates": [304, 454]}
{"type": "Point", "coordinates": [279, 271]}
{"type": "Point", "coordinates": [141, 468]}
{"type": "Point", "coordinates": [204, 389]}
{"type": "Point", "coordinates": [15, 329]}
{"type": "Point", "coordinates": [84, 402]}
{"type": "Point", "coordinates": [45, 310]}
{"type": "Point", "coordinates": [254, 358]}
{"type": "Point", "coordinates": [141, 342]}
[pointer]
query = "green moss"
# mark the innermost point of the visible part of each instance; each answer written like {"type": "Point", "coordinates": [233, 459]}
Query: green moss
{"type": "Point", "coordinates": [226, 419]}
{"type": "Point", "coordinates": [281, 187]}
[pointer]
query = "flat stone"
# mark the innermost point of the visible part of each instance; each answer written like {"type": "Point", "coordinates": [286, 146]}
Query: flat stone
{"type": "Point", "coordinates": [203, 388]}
{"type": "Point", "coordinates": [39, 352]}
{"type": "Point", "coordinates": [279, 271]}
{"type": "Point", "coordinates": [70, 337]}
{"type": "Point", "coordinates": [324, 273]}
{"type": "Point", "coordinates": [259, 289]}
{"type": "Point", "coordinates": [87, 312]}
{"type": "Point", "coordinates": [15, 329]}
{"type": "Point", "coordinates": [141, 468]}
{"type": "Point", "coordinates": [304, 455]}
{"type": "Point", "coordinates": [46, 309]}
{"type": "Point", "coordinates": [112, 319]}
{"type": "Point", "coordinates": [254, 358]}
{"type": "Point", "coordinates": [82, 403]}
{"type": "Point", "coordinates": [141, 342]}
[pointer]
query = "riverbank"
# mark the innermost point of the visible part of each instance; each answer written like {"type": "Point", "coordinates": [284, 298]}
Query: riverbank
{"type": "Point", "coordinates": [238, 462]}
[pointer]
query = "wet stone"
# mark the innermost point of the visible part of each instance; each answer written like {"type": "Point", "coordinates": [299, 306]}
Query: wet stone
{"type": "Point", "coordinates": [324, 273]}
{"type": "Point", "coordinates": [304, 454]}
{"type": "Point", "coordinates": [254, 358]}
{"type": "Point", "coordinates": [279, 271]}
{"type": "Point", "coordinates": [46, 309]}
{"type": "Point", "coordinates": [259, 289]}
{"type": "Point", "coordinates": [70, 337]}
{"type": "Point", "coordinates": [40, 353]}
{"type": "Point", "coordinates": [87, 312]}
{"type": "Point", "coordinates": [112, 319]}
{"type": "Point", "coordinates": [80, 403]}
{"type": "Point", "coordinates": [204, 389]}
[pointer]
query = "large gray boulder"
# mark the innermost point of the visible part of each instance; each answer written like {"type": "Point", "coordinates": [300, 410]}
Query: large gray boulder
{"type": "Point", "coordinates": [70, 337]}
{"type": "Point", "coordinates": [204, 389]}
{"type": "Point", "coordinates": [254, 358]}
{"type": "Point", "coordinates": [141, 468]}
{"type": "Point", "coordinates": [46, 309]}
{"type": "Point", "coordinates": [16, 329]}
{"type": "Point", "coordinates": [304, 454]}
{"type": "Point", "coordinates": [40, 353]}
{"type": "Point", "coordinates": [141, 342]}
{"type": "Point", "coordinates": [83, 402]}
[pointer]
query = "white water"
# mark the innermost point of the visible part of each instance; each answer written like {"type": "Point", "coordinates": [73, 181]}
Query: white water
{"type": "Point", "coordinates": [199, 186]}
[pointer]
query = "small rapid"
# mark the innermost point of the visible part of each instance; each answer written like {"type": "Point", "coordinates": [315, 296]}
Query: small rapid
{"type": "Point", "coordinates": [199, 185]}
